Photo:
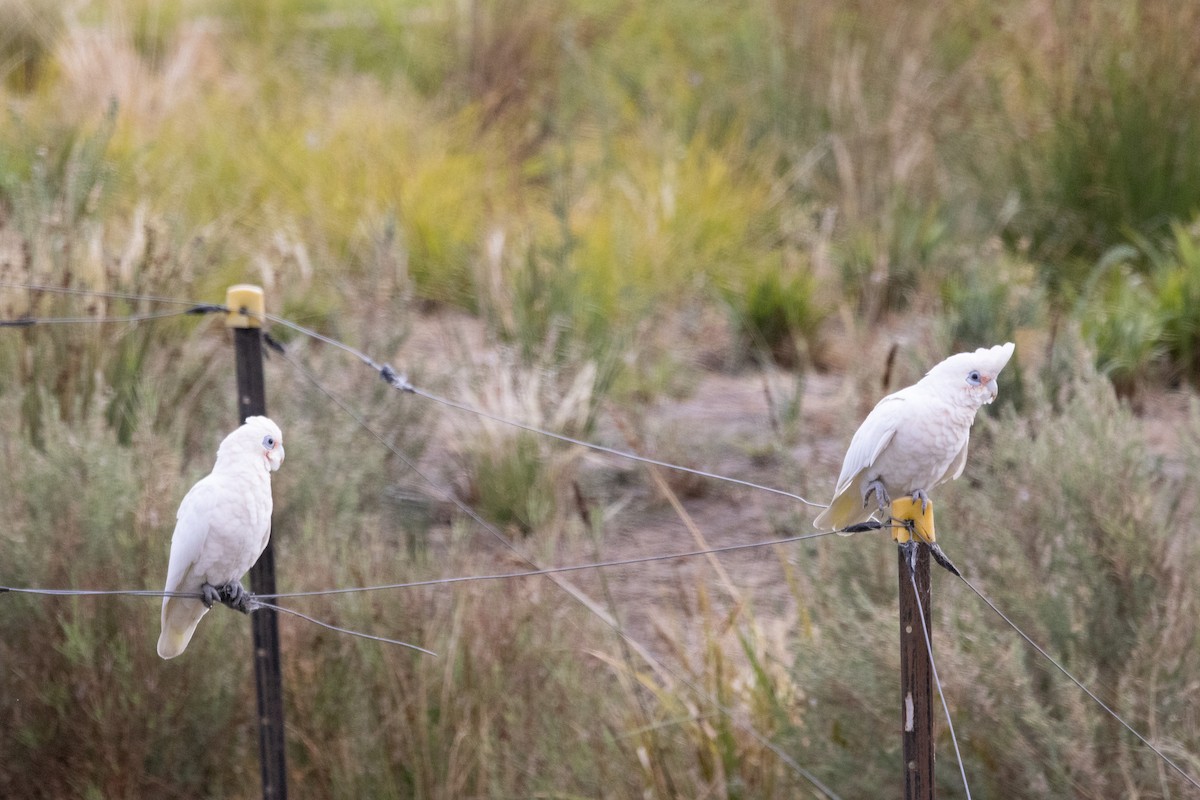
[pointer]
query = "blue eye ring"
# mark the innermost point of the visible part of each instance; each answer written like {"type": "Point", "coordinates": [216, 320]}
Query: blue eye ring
{"type": "Point", "coordinates": [269, 442]}
{"type": "Point", "coordinates": [974, 378]}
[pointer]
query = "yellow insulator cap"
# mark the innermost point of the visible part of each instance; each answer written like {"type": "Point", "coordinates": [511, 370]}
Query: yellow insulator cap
{"type": "Point", "coordinates": [908, 509]}
{"type": "Point", "coordinates": [246, 306]}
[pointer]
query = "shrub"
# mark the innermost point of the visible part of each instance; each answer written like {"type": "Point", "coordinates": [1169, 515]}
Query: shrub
{"type": "Point", "coordinates": [1141, 308]}
{"type": "Point", "coordinates": [777, 313]}
{"type": "Point", "coordinates": [1176, 273]}
{"type": "Point", "coordinates": [515, 478]}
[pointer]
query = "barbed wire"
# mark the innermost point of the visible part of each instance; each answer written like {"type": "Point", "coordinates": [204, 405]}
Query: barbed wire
{"type": "Point", "coordinates": [566, 586]}
{"type": "Point", "coordinates": [400, 382]}
{"type": "Point", "coordinates": [85, 292]}
{"type": "Point", "coordinates": [395, 379]}
{"type": "Point", "coordinates": [29, 322]}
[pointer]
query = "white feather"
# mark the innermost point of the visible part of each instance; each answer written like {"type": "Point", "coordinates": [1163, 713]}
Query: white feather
{"type": "Point", "coordinates": [222, 527]}
{"type": "Point", "coordinates": [917, 438]}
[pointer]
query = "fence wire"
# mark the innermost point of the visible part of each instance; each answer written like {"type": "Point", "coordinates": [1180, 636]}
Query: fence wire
{"type": "Point", "coordinates": [400, 382]}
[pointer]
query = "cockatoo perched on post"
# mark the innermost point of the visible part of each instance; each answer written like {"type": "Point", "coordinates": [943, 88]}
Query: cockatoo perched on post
{"type": "Point", "coordinates": [221, 529]}
{"type": "Point", "coordinates": [915, 439]}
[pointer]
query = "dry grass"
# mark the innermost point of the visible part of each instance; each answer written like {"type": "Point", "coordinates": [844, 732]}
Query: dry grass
{"type": "Point", "coordinates": [614, 195]}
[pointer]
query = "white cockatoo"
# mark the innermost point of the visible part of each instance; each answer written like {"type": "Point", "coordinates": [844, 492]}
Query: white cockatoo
{"type": "Point", "coordinates": [915, 439]}
{"type": "Point", "coordinates": [221, 529]}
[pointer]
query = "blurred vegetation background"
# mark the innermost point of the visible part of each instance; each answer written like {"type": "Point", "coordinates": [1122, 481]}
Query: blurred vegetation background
{"type": "Point", "coordinates": [601, 205]}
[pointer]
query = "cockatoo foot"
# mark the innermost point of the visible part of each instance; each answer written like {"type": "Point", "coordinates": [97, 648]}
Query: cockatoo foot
{"type": "Point", "coordinates": [234, 595]}
{"type": "Point", "coordinates": [209, 594]}
{"type": "Point", "coordinates": [877, 488]}
{"type": "Point", "coordinates": [919, 494]}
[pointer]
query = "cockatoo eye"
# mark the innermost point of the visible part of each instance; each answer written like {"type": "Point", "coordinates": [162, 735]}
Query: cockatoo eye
{"type": "Point", "coordinates": [269, 442]}
{"type": "Point", "coordinates": [973, 377]}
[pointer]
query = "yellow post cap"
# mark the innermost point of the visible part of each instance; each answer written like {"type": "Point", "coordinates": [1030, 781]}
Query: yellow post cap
{"type": "Point", "coordinates": [909, 509]}
{"type": "Point", "coordinates": [246, 306]}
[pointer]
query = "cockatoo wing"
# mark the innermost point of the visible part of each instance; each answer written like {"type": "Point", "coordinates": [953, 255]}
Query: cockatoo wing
{"type": "Point", "coordinates": [181, 615]}
{"type": "Point", "coordinates": [958, 464]}
{"type": "Point", "coordinates": [871, 439]}
{"type": "Point", "coordinates": [846, 508]}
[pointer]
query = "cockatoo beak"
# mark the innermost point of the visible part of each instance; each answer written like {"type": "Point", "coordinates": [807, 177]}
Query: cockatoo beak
{"type": "Point", "coordinates": [992, 385]}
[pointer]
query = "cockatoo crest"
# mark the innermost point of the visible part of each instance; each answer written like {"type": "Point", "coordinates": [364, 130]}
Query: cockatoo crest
{"type": "Point", "coordinates": [974, 374]}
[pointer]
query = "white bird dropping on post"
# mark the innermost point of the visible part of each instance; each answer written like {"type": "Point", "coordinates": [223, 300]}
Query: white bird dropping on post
{"type": "Point", "coordinates": [221, 529]}
{"type": "Point", "coordinates": [915, 439]}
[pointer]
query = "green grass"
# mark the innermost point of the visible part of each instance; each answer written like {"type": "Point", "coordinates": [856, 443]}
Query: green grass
{"type": "Point", "coordinates": [31, 31]}
{"type": "Point", "coordinates": [1106, 132]}
{"type": "Point", "coordinates": [779, 316]}
{"type": "Point", "coordinates": [601, 200]}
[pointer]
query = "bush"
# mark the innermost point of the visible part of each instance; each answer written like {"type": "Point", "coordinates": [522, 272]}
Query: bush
{"type": "Point", "coordinates": [1141, 309]}
{"type": "Point", "coordinates": [777, 314]}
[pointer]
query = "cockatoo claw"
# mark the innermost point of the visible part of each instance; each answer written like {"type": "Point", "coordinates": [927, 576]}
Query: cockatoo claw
{"type": "Point", "coordinates": [877, 488]}
{"type": "Point", "coordinates": [234, 595]}
{"type": "Point", "coordinates": [209, 594]}
{"type": "Point", "coordinates": [920, 494]}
